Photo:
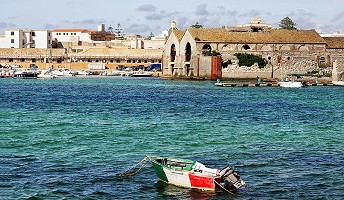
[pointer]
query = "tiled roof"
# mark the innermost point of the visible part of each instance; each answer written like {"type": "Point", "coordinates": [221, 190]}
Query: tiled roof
{"type": "Point", "coordinates": [30, 52]}
{"type": "Point", "coordinates": [179, 34]}
{"type": "Point", "coordinates": [120, 51]}
{"type": "Point", "coordinates": [334, 42]}
{"type": "Point", "coordinates": [275, 36]}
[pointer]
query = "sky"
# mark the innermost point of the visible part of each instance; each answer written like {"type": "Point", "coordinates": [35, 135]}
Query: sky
{"type": "Point", "coordinates": [143, 17]}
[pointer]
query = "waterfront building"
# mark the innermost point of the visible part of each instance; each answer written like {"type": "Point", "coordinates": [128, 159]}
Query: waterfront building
{"type": "Point", "coordinates": [26, 39]}
{"type": "Point", "coordinates": [190, 55]}
{"type": "Point", "coordinates": [41, 57]}
{"type": "Point", "coordinates": [71, 35]}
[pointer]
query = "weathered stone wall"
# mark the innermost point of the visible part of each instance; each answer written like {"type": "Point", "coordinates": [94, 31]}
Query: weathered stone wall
{"type": "Point", "coordinates": [338, 70]}
{"type": "Point", "coordinates": [279, 65]}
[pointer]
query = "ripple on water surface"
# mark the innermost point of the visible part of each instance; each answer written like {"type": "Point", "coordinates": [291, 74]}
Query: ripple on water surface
{"type": "Point", "coordinates": [68, 138]}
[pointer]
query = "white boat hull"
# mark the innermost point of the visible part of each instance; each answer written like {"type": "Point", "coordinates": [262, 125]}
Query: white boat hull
{"type": "Point", "coordinates": [338, 83]}
{"type": "Point", "coordinates": [290, 84]}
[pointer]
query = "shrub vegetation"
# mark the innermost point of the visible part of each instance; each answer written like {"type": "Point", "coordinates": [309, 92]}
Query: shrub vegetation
{"type": "Point", "coordinates": [248, 60]}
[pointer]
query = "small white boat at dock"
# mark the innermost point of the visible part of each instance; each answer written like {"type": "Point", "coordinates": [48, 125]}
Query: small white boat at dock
{"type": "Point", "coordinates": [290, 84]}
{"type": "Point", "coordinates": [338, 83]}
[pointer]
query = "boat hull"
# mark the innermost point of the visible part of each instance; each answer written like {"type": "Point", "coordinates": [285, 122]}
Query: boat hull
{"type": "Point", "coordinates": [338, 83]}
{"type": "Point", "coordinates": [26, 75]}
{"type": "Point", "coordinates": [186, 176]}
{"type": "Point", "coordinates": [290, 84]}
{"type": "Point", "coordinates": [187, 179]}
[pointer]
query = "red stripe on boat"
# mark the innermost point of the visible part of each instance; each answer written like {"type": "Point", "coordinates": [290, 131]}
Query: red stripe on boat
{"type": "Point", "coordinates": [201, 181]}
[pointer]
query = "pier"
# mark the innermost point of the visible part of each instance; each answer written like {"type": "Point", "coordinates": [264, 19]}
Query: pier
{"type": "Point", "coordinates": [227, 84]}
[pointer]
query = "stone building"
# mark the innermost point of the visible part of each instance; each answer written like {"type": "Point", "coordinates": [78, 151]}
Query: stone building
{"type": "Point", "coordinates": [286, 51]}
{"type": "Point", "coordinates": [26, 56]}
{"type": "Point", "coordinates": [335, 51]}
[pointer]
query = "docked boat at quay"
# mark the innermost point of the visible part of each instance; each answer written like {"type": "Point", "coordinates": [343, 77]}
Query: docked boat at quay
{"type": "Point", "coordinates": [25, 73]}
{"type": "Point", "coordinates": [338, 83]}
{"type": "Point", "coordinates": [290, 84]}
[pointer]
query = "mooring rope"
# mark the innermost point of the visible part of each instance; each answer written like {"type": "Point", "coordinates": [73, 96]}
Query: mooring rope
{"type": "Point", "coordinates": [222, 187]}
{"type": "Point", "coordinates": [125, 172]}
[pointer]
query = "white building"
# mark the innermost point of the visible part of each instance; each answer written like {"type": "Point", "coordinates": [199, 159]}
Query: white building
{"type": "Point", "coordinates": [335, 34]}
{"type": "Point", "coordinates": [26, 39]}
{"type": "Point", "coordinates": [71, 35]}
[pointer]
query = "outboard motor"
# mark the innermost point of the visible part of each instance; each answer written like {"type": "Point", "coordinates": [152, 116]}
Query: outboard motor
{"type": "Point", "coordinates": [231, 179]}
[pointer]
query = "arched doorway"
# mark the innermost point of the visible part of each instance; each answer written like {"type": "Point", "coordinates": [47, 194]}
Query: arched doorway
{"type": "Point", "coordinates": [173, 57]}
{"type": "Point", "coordinates": [173, 53]}
{"type": "Point", "coordinates": [328, 61]}
{"type": "Point", "coordinates": [188, 52]}
{"type": "Point", "coordinates": [187, 58]}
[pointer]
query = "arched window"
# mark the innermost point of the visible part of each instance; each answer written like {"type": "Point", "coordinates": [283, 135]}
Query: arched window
{"type": "Point", "coordinates": [173, 53]}
{"type": "Point", "coordinates": [188, 52]}
{"type": "Point", "coordinates": [206, 49]}
{"type": "Point", "coordinates": [246, 47]}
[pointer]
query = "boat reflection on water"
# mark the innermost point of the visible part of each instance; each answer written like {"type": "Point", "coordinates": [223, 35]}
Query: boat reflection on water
{"type": "Point", "coordinates": [164, 189]}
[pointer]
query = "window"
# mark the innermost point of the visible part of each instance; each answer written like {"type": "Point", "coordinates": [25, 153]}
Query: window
{"type": "Point", "coordinates": [12, 40]}
{"type": "Point", "coordinates": [12, 33]}
{"type": "Point", "coordinates": [246, 47]}
{"type": "Point", "coordinates": [33, 33]}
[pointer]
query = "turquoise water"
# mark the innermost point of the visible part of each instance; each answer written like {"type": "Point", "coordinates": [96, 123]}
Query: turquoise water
{"type": "Point", "coordinates": [68, 138]}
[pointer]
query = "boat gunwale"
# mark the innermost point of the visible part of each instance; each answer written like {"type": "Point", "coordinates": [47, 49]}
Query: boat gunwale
{"type": "Point", "coordinates": [189, 163]}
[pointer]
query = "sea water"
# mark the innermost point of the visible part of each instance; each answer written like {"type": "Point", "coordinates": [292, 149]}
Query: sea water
{"type": "Point", "coordinates": [68, 138]}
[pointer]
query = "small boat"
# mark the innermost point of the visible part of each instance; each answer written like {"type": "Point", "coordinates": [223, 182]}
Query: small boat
{"type": "Point", "coordinates": [290, 84]}
{"type": "Point", "coordinates": [83, 73]}
{"type": "Point", "coordinates": [63, 72]}
{"type": "Point", "coordinates": [338, 83]}
{"type": "Point", "coordinates": [46, 74]}
{"type": "Point", "coordinates": [192, 174]}
{"type": "Point", "coordinates": [25, 73]}
{"type": "Point", "coordinates": [141, 75]}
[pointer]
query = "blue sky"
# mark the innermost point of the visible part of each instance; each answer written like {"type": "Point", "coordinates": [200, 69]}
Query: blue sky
{"type": "Point", "coordinates": [145, 16]}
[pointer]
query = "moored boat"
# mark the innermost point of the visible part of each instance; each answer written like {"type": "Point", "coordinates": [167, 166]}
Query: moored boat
{"type": "Point", "coordinates": [46, 74]}
{"type": "Point", "coordinates": [192, 174]}
{"type": "Point", "coordinates": [290, 84]}
{"type": "Point", "coordinates": [25, 73]}
{"type": "Point", "coordinates": [338, 83]}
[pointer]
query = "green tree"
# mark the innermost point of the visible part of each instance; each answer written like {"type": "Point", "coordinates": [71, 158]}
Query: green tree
{"type": "Point", "coordinates": [287, 23]}
{"type": "Point", "coordinates": [197, 25]}
{"type": "Point", "coordinates": [248, 60]}
{"type": "Point", "coordinates": [150, 36]}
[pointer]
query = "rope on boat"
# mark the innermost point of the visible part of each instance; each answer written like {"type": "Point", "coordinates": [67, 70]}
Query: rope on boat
{"type": "Point", "coordinates": [142, 163]}
{"type": "Point", "coordinates": [222, 187]}
{"type": "Point", "coordinates": [246, 186]}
